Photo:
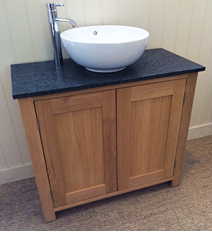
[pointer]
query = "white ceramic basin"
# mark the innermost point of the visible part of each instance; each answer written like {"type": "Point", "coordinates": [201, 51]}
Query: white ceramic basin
{"type": "Point", "coordinates": [105, 48]}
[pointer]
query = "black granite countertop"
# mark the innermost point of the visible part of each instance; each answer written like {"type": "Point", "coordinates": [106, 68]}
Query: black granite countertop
{"type": "Point", "coordinates": [42, 78]}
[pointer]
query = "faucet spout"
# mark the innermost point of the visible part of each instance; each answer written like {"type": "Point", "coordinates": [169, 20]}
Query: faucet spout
{"type": "Point", "coordinates": [71, 21]}
{"type": "Point", "coordinates": [55, 32]}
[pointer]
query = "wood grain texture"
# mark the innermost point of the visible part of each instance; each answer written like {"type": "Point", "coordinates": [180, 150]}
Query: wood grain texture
{"type": "Point", "coordinates": [51, 152]}
{"type": "Point", "coordinates": [174, 125]}
{"type": "Point", "coordinates": [85, 194]}
{"type": "Point", "coordinates": [79, 135]}
{"type": "Point", "coordinates": [39, 166]}
{"type": "Point", "coordinates": [123, 136]}
{"type": "Point", "coordinates": [152, 91]}
{"type": "Point", "coordinates": [148, 124]}
{"type": "Point", "coordinates": [79, 140]}
{"type": "Point", "coordinates": [145, 178]}
{"type": "Point", "coordinates": [184, 125]}
{"type": "Point", "coordinates": [110, 87]}
{"type": "Point", "coordinates": [112, 194]}
{"type": "Point", "coordinates": [149, 134]}
{"type": "Point", "coordinates": [74, 103]}
{"type": "Point", "coordinates": [109, 140]}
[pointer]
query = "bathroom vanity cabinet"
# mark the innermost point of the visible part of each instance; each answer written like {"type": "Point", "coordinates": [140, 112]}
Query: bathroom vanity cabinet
{"type": "Point", "coordinates": [95, 143]}
{"type": "Point", "coordinates": [105, 142]}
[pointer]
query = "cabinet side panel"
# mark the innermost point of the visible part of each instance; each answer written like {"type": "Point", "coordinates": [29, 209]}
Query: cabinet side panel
{"type": "Point", "coordinates": [36, 152]}
{"type": "Point", "coordinates": [174, 125]}
{"type": "Point", "coordinates": [51, 151]}
{"type": "Point", "coordinates": [184, 125]}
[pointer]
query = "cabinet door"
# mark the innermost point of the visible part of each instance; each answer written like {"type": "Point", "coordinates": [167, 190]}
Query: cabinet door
{"type": "Point", "coordinates": [148, 122]}
{"type": "Point", "coordinates": [78, 134]}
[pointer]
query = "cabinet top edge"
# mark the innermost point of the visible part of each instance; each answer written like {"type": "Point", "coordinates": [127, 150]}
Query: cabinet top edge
{"type": "Point", "coordinates": [42, 78]}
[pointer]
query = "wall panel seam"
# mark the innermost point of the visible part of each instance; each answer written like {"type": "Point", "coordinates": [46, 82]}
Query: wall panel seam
{"type": "Point", "coordinates": [9, 29]}
{"type": "Point", "coordinates": [118, 17]}
{"type": "Point", "coordinates": [134, 13]}
{"type": "Point", "coordinates": [163, 25]}
{"type": "Point", "coordinates": [101, 10]}
{"type": "Point", "coordinates": [210, 59]}
{"type": "Point", "coordinates": [30, 29]}
{"type": "Point", "coordinates": [4, 156]}
{"type": "Point", "coordinates": [189, 37]}
{"type": "Point", "coordinates": [84, 13]}
{"type": "Point", "coordinates": [210, 112]}
{"type": "Point", "coordinates": [66, 12]}
{"type": "Point", "coordinates": [203, 95]}
{"type": "Point", "coordinates": [177, 26]}
{"type": "Point", "coordinates": [149, 15]}
{"type": "Point", "coordinates": [11, 119]}
{"type": "Point", "coordinates": [203, 27]}
{"type": "Point", "coordinates": [149, 2]}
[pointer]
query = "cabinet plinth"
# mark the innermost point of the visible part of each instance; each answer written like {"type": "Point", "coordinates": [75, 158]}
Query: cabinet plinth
{"type": "Point", "coordinates": [97, 143]}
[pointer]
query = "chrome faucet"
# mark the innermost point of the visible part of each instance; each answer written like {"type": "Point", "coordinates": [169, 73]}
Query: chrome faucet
{"type": "Point", "coordinates": [55, 31]}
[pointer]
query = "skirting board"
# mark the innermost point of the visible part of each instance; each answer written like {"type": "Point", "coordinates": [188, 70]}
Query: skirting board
{"type": "Point", "coordinates": [26, 171]}
{"type": "Point", "coordinates": [16, 173]}
{"type": "Point", "coordinates": [201, 131]}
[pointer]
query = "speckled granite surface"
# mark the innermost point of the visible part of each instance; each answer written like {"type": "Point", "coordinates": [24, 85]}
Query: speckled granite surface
{"type": "Point", "coordinates": [42, 78]}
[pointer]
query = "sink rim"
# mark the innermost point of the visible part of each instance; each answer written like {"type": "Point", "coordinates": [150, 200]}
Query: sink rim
{"type": "Point", "coordinates": [70, 32]}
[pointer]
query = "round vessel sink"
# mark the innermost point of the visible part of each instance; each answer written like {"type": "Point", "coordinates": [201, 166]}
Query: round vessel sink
{"type": "Point", "coordinates": [105, 48]}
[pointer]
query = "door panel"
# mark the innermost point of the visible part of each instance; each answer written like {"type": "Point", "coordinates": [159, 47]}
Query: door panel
{"type": "Point", "coordinates": [148, 122]}
{"type": "Point", "coordinates": [154, 125]}
{"type": "Point", "coordinates": [78, 136]}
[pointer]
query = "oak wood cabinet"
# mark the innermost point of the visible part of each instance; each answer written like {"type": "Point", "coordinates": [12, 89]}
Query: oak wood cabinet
{"type": "Point", "coordinates": [92, 144]}
{"type": "Point", "coordinates": [79, 141]}
{"type": "Point", "coordinates": [148, 123]}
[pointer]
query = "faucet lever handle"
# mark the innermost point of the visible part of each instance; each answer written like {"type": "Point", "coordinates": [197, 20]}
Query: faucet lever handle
{"type": "Point", "coordinates": [52, 6]}
{"type": "Point", "coordinates": [59, 4]}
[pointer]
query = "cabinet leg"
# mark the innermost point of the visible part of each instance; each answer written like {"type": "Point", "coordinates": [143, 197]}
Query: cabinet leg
{"type": "Point", "coordinates": [49, 216]}
{"type": "Point", "coordinates": [175, 182]}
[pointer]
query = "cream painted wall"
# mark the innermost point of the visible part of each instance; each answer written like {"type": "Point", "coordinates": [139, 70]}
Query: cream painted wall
{"type": "Point", "coordinates": [183, 27]}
